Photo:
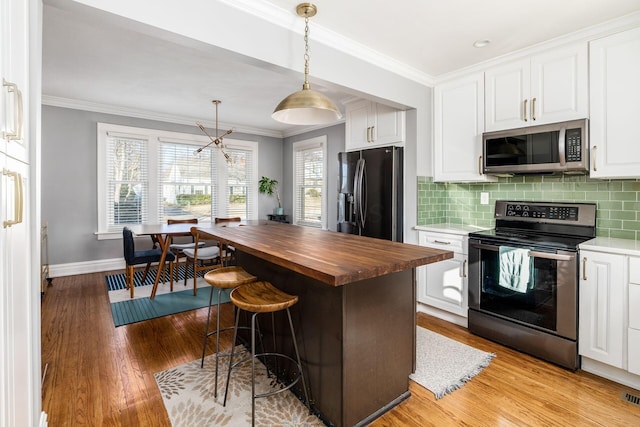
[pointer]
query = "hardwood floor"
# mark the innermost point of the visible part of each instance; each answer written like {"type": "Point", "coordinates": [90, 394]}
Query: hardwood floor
{"type": "Point", "coordinates": [98, 375]}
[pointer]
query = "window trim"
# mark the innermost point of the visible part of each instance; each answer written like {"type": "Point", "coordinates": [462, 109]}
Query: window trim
{"type": "Point", "coordinates": [319, 141]}
{"type": "Point", "coordinates": [154, 138]}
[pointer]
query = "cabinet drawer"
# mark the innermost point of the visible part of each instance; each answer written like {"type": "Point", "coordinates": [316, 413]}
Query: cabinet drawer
{"type": "Point", "coordinates": [634, 270]}
{"type": "Point", "coordinates": [449, 242]}
{"type": "Point", "coordinates": [634, 351]}
{"type": "Point", "coordinates": [634, 306]}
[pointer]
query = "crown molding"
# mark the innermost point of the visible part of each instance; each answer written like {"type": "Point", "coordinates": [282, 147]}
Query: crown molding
{"type": "Point", "coordinates": [76, 104]}
{"type": "Point", "coordinates": [286, 19]}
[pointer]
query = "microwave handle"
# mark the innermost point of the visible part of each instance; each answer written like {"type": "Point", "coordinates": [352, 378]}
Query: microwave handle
{"type": "Point", "coordinates": [561, 146]}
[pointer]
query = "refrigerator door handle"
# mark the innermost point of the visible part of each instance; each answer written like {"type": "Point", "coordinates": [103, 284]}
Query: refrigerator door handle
{"type": "Point", "coordinates": [356, 193]}
{"type": "Point", "coordinates": [363, 193]}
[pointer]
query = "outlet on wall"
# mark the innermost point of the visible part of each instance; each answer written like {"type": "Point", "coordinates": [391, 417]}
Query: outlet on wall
{"type": "Point", "coordinates": [484, 198]}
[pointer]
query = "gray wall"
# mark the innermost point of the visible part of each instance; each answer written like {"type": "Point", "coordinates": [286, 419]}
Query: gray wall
{"type": "Point", "coordinates": [69, 179]}
{"type": "Point", "coordinates": [335, 144]}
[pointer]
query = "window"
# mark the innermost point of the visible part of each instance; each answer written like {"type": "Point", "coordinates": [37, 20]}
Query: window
{"type": "Point", "coordinates": [309, 186]}
{"type": "Point", "coordinates": [148, 176]}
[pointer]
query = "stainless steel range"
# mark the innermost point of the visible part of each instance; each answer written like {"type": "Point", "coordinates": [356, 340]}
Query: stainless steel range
{"type": "Point", "coordinates": [523, 277]}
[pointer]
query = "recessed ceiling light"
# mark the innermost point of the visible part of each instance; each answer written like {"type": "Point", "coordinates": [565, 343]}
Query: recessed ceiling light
{"type": "Point", "coordinates": [481, 43]}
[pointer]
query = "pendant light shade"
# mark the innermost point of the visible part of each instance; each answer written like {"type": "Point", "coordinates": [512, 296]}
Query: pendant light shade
{"type": "Point", "coordinates": [306, 106]}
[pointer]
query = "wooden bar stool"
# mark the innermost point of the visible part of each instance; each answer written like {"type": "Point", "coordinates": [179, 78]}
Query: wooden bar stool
{"type": "Point", "coordinates": [222, 278]}
{"type": "Point", "coordinates": [256, 298]}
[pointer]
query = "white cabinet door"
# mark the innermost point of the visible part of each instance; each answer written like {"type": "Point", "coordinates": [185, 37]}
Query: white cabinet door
{"type": "Point", "coordinates": [602, 307]}
{"type": "Point", "coordinates": [458, 127]}
{"type": "Point", "coordinates": [559, 85]}
{"type": "Point", "coordinates": [14, 73]}
{"type": "Point", "coordinates": [446, 285]}
{"type": "Point", "coordinates": [507, 95]}
{"type": "Point", "coordinates": [545, 88]}
{"type": "Point", "coordinates": [633, 354]}
{"type": "Point", "coordinates": [15, 294]}
{"type": "Point", "coordinates": [371, 125]}
{"type": "Point", "coordinates": [615, 107]}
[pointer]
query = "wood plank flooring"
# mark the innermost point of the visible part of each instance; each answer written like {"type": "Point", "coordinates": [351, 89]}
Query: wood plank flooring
{"type": "Point", "coordinates": [98, 375]}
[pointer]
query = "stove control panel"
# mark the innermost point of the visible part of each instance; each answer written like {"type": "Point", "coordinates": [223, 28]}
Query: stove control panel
{"type": "Point", "coordinates": [563, 213]}
{"type": "Point", "coordinates": [579, 214]}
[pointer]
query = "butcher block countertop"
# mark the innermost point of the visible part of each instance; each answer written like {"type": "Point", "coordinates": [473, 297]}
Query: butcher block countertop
{"type": "Point", "coordinates": [330, 257]}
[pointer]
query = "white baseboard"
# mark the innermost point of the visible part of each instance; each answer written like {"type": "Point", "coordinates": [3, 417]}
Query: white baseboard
{"type": "Point", "coordinates": [442, 314]}
{"type": "Point", "coordinates": [611, 373]}
{"type": "Point", "coordinates": [71, 269]}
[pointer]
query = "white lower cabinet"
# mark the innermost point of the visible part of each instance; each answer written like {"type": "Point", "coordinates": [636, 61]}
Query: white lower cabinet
{"type": "Point", "coordinates": [609, 334]}
{"type": "Point", "coordinates": [602, 297]}
{"type": "Point", "coordinates": [444, 284]}
{"type": "Point", "coordinates": [633, 350]}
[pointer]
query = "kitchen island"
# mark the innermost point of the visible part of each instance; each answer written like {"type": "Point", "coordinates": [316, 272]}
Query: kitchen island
{"type": "Point", "coordinates": [355, 318]}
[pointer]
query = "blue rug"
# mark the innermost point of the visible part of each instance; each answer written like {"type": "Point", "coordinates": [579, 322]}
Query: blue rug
{"type": "Point", "coordinates": [140, 309]}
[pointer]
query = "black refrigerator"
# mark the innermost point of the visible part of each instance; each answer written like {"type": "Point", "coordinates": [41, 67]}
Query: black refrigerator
{"type": "Point", "coordinates": [370, 193]}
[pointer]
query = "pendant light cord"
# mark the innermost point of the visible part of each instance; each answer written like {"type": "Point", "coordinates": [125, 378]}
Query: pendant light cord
{"type": "Point", "coordinates": [305, 85]}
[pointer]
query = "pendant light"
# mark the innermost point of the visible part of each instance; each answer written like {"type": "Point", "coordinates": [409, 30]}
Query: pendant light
{"type": "Point", "coordinates": [306, 107]}
{"type": "Point", "coordinates": [218, 139]}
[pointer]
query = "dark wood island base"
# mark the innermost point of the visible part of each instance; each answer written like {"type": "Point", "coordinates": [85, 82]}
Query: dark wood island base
{"type": "Point", "coordinates": [355, 318]}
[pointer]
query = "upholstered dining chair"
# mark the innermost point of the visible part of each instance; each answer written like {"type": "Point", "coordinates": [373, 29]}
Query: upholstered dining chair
{"type": "Point", "coordinates": [133, 258]}
{"type": "Point", "coordinates": [184, 241]}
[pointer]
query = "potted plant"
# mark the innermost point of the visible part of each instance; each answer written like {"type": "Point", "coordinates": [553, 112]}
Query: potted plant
{"type": "Point", "coordinates": [269, 186]}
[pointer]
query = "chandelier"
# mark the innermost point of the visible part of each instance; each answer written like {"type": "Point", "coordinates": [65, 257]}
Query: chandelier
{"type": "Point", "coordinates": [218, 139]}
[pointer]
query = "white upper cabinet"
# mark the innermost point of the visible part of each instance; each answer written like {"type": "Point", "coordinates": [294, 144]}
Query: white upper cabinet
{"type": "Point", "coordinates": [615, 105]}
{"type": "Point", "coordinates": [14, 73]}
{"type": "Point", "coordinates": [369, 124]}
{"type": "Point", "coordinates": [546, 88]}
{"type": "Point", "coordinates": [458, 127]}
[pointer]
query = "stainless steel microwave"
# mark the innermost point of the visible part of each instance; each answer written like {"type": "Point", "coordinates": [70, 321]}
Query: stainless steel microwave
{"type": "Point", "coordinates": [552, 148]}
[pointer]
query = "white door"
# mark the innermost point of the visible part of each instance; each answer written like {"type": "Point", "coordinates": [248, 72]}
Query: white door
{"type": "Point", "coordinates": [507, 95]}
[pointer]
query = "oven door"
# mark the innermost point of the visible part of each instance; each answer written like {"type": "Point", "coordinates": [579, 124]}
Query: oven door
{"type": "Point", "coordinates": [535, 287]}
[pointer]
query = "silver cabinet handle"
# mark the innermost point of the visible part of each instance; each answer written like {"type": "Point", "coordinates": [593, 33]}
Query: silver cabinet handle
{"type": "Point", "coordinates": [533, 109]}
{"type": "Point", "coordinates": [16, 134]}
{"type": "Point", "coordinates": [464, 269]}
{"type": "Point", "coordinates": [373, 135]}
{"type": "Point", "coordinates": [524, 112]}
{"type": "Point", "coordinates": [441, 242]}
{"type": "Point", "coordinates": [480, 165]}
{"type": "Point", "coordinates": [593, 158]}
{"type": "Point", "coordinates": [18, 197]}
{"type": "Point", "coordinates": [584, 268]}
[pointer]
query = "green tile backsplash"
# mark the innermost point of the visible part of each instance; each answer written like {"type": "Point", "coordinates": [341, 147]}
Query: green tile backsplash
{"type": "Point", "coordinates": [618, 201]}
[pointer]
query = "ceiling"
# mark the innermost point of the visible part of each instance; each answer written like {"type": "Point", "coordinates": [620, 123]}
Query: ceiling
{"type": "Point", "coordinates": [101, 65]}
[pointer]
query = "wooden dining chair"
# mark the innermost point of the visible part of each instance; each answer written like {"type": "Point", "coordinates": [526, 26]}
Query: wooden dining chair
{"type": "Point", "coordinates": [133, 258]}
{"type": "Point", "coordinates": [227, 252]}
{"type": "Point", "coordinates": [204, 256]}
{"type": "Point", "coordinates": [184, 241]}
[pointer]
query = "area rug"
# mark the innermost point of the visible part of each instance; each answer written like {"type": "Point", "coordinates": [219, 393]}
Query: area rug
{"type": "Point", "coordinates": [126, 310]}
{"type": "Point", "coordinates": [187, 393]}
{"type": "Point", "coordinates": [444, 365]}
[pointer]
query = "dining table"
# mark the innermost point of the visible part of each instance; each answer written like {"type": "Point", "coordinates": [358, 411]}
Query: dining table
{"type": "Point", "coordinates": [163, 233]}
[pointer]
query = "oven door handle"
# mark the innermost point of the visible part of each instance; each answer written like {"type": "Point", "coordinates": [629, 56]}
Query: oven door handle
{"type": "Point", "coordinates": [535, 254]}
{"type": "Point", "coordinates": [547, 255]}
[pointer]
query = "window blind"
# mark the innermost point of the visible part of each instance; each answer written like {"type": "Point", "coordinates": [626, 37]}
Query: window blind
{"type": "Point", "coordinates": [308, 184]}
{"type": "Point", "coordinates": [127, 195]}
{"type": "Point", "coordinates": [240, 172]}
{"type": "Point", "coordinates": [186, 182]}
